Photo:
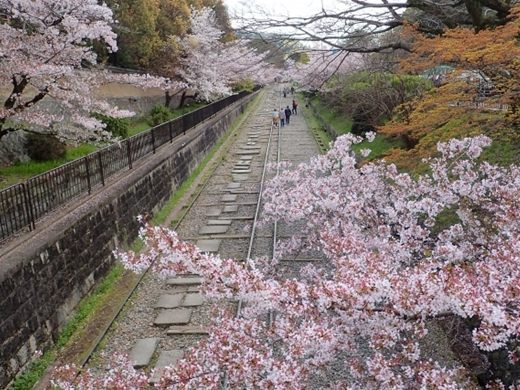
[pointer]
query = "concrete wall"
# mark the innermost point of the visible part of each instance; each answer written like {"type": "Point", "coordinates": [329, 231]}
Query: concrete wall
{"type": "Point", "coordinates": [45, 273]}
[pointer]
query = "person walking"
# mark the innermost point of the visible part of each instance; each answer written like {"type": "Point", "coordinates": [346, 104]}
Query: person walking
{"type": "Point", "coordinates": [284, 92]}
{"type": "Point", "coordinates": [287, 115]}
{"type": "Point", "coordinates": [275, 117]}
{"type": "Point", "coordinates": [307, 101]}
{"type": "Point", "coordinates": [281, 115]}
{"type": "Point", "coordinates": [292, 91]}
{"type": "Point", "coordinates": [295, 107]}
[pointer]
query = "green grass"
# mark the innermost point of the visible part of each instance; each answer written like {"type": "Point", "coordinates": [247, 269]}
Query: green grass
{"type": "Point", "coordinates": [343, 125]}
{"type": "Point", "coordinates": [379, 146]}
{"type": "Point", "coordinates": [87, 308]}
{"type": "Point", "coordinates": [137, 126]}
{"type": "Point", "coordinates": [20, 172]}
{"type": "Point", "coordinates": [316, 126]}
{"type": "Point", "coordinates": [27, 380]}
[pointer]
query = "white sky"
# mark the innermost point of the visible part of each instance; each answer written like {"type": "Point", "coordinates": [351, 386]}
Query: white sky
{"type": "Point", "coordinates": [281, 7]}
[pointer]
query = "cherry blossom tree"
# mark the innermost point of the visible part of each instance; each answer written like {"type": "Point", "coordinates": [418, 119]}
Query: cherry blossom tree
{"type": "Point", "coordinates": [401, 253]}
{"type": "Point", "coordinates": [44, 48]}
{"type": "Point", "coordinates": [210, 66]}
{"type": "Point", "coordinates": [323, 64]}
{"type": "Point", "coordinates": [241, 61]}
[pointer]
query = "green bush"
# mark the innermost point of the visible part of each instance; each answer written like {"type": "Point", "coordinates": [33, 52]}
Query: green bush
{"type": "Point", "coordinates": [117, 126]}
{"type": "Point", "coordinates": [159, 114]}
{"type": "Point", "coordinates": [44, 147]}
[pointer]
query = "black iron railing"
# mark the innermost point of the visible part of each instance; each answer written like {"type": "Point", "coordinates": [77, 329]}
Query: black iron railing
{"type": "Point", "coordinates": [21, 205]}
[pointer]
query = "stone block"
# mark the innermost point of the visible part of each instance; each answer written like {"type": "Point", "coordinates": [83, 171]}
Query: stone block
{"type": "Point", "coordinates": [216, 229]}
{"type": "Point", "coordinates": [219, 222]}
{"type": "Point", "coordinates": [142, 352]}
{"type": "Point", "coordinates": [229, 198]}
{"type": "Point", "coordinates": [240, 177]}
{"type": "Point", "coordinates": [210, 246]}
{"type": "Point", "coordinates": [231, 208]}
{"type": "Point", "coordinates": [193, 300]}
{"type": "Point", "coordinates": [169, 301]}
{"type": "Point", "coordinates": [184, 281]}
{"type": "Point", "coordinates": [247, 152]}
{"type": "Point", "coordinates": [213, 212]}
{"type": "Point", "coordinates": [166, 358]}
{"type": "Point", "coordinates": [189, 329]}
{"type": "Point", "coordinates": [173, 317]}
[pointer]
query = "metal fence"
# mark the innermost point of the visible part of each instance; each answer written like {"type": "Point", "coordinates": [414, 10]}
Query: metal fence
{"type": "Point", "coordinates": [21, 205]}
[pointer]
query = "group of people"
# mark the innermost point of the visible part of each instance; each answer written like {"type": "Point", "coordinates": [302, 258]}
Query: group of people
{"type": "Point", "coordinates": [283, 116]}
{"type": "Point", "coordinates": [286, 91]}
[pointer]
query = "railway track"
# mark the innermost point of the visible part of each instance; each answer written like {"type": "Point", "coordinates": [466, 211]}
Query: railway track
{"type": "Point", "coordinates": [164, 318]}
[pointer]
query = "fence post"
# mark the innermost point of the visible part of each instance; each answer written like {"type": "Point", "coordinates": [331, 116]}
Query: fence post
{"type": "Point", "coordinates": [129, 154]}
{"type": "Point", "coordinates": [153, 140]}
{"type": "Point", "coordinates": [28, 206]}
{"type": "Point", "coordinates": [170, 130]}
{"type": "Point", "coordinates": [101, 169]}
{"type": "Point", "coordinates": [87, 168]}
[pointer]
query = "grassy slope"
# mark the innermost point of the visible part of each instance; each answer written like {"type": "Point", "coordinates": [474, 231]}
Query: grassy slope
{"type": "Point", "coordinates": [505, 149]}
{"type": "Point", "coordinates": [343, 125]}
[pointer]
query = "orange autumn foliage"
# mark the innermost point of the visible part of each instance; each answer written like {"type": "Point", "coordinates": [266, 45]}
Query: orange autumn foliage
{"type": "Point", "coordinates": [481, 94]}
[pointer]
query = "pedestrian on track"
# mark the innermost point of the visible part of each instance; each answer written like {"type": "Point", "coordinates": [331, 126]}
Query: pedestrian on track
{"type": "Point", "coordinates": [287, 115]}
{"type": "Point", "coordinates": [281, 115]}
{"type": "Point", "coordinates": [275, 117]}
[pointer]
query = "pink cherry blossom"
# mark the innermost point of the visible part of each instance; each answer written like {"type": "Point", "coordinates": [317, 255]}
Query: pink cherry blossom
{"type": "Point", "coordinates": [393, 264]}
{"type": "Point", "coordinates": [44, 47]}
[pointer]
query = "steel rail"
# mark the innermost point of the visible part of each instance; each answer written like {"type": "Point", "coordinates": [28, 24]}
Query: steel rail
{"type": "Point", "coordinates": [224, 382]}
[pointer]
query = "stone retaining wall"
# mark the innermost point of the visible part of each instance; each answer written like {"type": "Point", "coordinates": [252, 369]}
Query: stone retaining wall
{"type": "Point", "coordinates": [47, 272]}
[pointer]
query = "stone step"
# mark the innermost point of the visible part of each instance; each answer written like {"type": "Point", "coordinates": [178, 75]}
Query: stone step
{"type": "Point", "coordinates": [173, 317]}
{"type": "Point", "coordinates": [169, 301]}
{"type": "Point", "coordinates": [229, 198]}
{"type": "Point", "coordinates": [240, 177]}
{"type": "Point", "coordinates": [247, 153]}
{"type": "Point", "coordinates": [142, 352]}
{"type": "Point", "coordinates": [192, 300]}
{"type": "Point", "coordinates": [210, 246]}
{"type": "Point", "coordinates": [166, 358]}
{"type": "Point", "coordinates": [184, 281]}
{"type": "Point", "coordinates": [189, 329]}
{"type": "Point", "coordinates": [215, 229]}
{"type": "Point", "coordinates": [219, 222]}
{"type": "Point", "coordinates": [233, 186]}
{"type": "Point", "coordinates": [230, 209]}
